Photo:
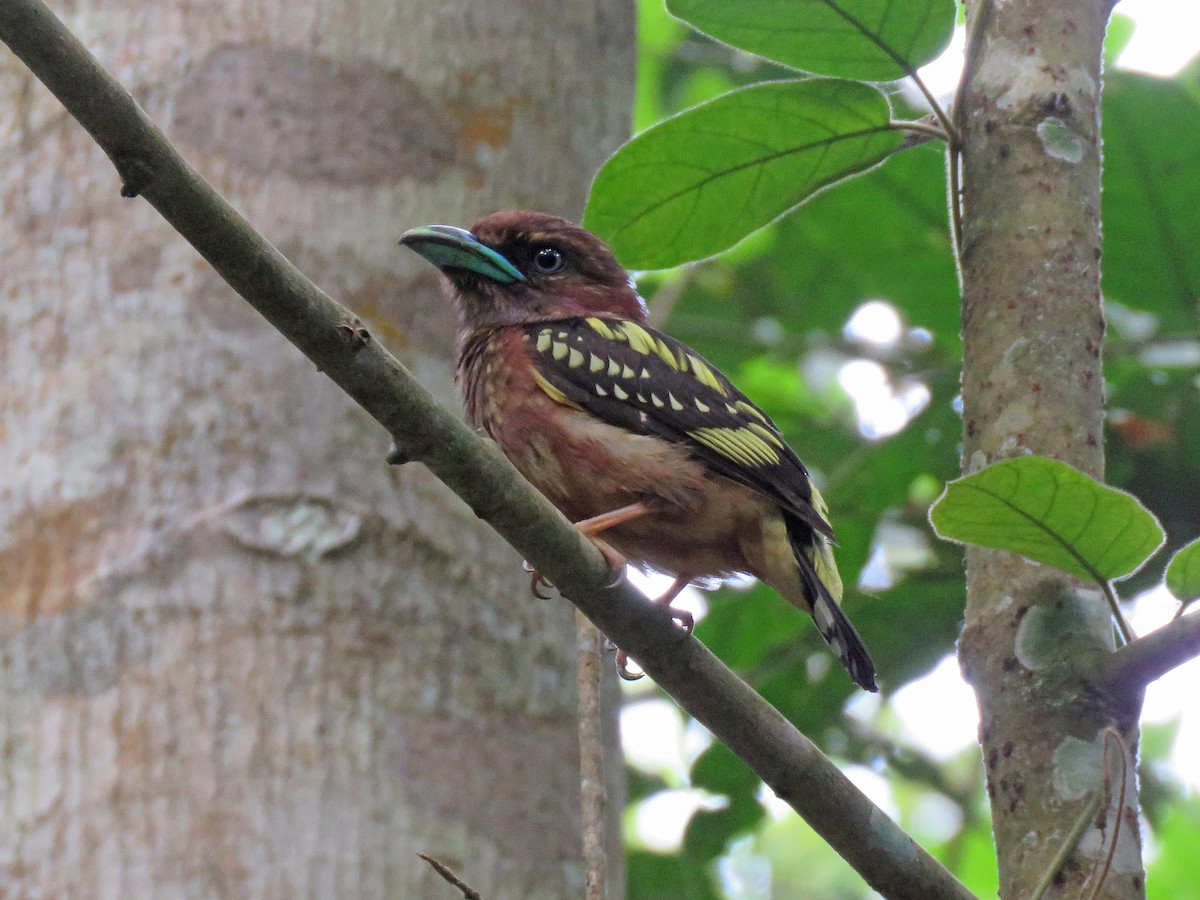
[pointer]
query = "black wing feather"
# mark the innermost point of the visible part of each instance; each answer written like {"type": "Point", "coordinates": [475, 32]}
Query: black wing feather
{"type": "Point", "coordinates": [635, 377]}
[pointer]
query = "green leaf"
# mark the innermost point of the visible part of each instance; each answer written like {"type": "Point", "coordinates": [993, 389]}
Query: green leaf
{"type": "Point", "coordinates": [701, 181]}
{"type": "Point", "coordinates": [870, 40]}
{"type": "Point", "coordinates": [719, 771]}
{"type": "Point", "coordinates": [709, 831]}
{"type": "Point", "coordinates": [1052, 514]}
{"type": "Point", "coordinates": [1183, 573]}
{"type": "Point", "coordinates": [1151, 192]}
{"type": "Point", "coordinates": [657, 876]}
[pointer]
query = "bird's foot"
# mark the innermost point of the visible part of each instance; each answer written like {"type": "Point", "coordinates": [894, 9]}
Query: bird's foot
{"type": "Point", "coordinates": [683, 617]}
{"type": "Point", "coordinates": [615, 561]}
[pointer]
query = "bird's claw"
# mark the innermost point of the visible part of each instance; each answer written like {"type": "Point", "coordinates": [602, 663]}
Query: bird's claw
{"type": "Point", "coordinates": [626, 668]}
{"type": "Point", "coordinates": [686, 620]}
{"type": "Point", "coordinates": [623, 667]}
{"type": "Point", "coordinates": [537, 581]}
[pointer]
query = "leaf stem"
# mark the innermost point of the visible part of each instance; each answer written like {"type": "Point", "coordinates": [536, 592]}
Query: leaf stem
{"type": "Point", "coordinates": [916, 125]}
{"type": "Point", "coordinates": [951, 132]}
{"type": "Point", "coordinates": [1114, 603]}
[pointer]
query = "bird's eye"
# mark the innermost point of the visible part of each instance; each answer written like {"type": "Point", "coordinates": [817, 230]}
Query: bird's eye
{"type": "Point", "coordinates": [548, 260]}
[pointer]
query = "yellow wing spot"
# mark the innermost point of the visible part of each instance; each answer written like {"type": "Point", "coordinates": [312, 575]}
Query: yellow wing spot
{"type": "Point", "coordinates": [739, 444]}
{"type": "Point", "coordinates": [627, 372]}
{"type": "Point", "coordinates": [614, 368]}
{"type": "Point", "coordinates": [819, 503]}
{"type": "Point", "coordinates": [645, 373]}
{"type": "Point", "coordinates": [682, 362]}
{"type": "Point", "coordinates": [574, 359]}
{"type": "Point", "coordinates": [601, 328]}
{"type": "Point", "coordinates": [654, 398]}
{"type": "Point", "coordinates": [731, 409]}
{"type": "Point", "coordinates": [639, 338]}
{"type": "Point", "coordinates": [558, 350]}
{"type": "Point", "coordinates": [618, 393]}
{"type": "Point", "coordinates": [665, 354]}
{"type": "Point", "coordinates": [766, 434]}
{"type": "Point", "coordinates": [705, 375]}
{"type": "Point", "coordinates": [543, 341]}
{"type": "Point", "coordinates": [595, 364]}
{"type": "Point", "coordinates": [641, 399]}
{"type": "Point", "coordinates": [751, 410]}
{"type": "Point", "coordinates": [562, 335]}
{"type": "Point", "coordinates": [552, 392]}
{"type": "Point", "coordinates": [675, 404]}
{"type": "Point", "coordinates": [700, 406]}
{"type": "Point", "coordinates": [600, 391]}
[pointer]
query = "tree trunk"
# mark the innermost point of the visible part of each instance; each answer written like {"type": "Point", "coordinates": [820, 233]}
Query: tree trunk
{"type": "Point", "coordinates": [1032, 331]}
{"type": "Point", "coordinates": [240, 656]}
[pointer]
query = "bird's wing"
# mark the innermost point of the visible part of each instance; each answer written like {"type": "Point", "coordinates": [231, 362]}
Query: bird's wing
{"type": "Point", "coordinates": [635, 377]}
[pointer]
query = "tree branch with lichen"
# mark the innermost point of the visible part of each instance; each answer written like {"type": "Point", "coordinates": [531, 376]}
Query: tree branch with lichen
{"type": "Point", "coordinates": [341, 347]}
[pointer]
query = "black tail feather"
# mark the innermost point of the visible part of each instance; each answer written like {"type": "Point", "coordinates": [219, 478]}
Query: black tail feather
{"type": "Point", "coordinates": [831, 621]}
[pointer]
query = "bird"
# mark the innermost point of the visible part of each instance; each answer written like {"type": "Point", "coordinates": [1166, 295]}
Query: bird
{"type": "Point", "coordinates": [630, 433]}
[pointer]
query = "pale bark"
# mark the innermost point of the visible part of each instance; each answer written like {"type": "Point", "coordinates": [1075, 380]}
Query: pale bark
{"type": "Point", "coordinates": [1032, 331]}
{"type": "Point", "coordinates": [241, 657]}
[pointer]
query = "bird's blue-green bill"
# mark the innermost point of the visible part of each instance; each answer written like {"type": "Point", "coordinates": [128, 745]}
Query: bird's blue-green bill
{"type": "Point", "coordinates": [448, 247]}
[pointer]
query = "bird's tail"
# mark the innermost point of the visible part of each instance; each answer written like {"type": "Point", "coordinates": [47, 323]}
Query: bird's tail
{"type": "Point", "coordinates": [817, 568]}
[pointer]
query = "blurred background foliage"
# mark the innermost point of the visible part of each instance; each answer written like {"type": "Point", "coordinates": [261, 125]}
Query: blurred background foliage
{"type": "Point", "coordinates": [842, 321]}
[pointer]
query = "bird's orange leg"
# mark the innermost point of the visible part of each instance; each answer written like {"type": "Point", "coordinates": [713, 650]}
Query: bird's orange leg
{"type": "Point", "coordinates": [589, 528]}
{"type": "Point", "coordinates": [682, 616]}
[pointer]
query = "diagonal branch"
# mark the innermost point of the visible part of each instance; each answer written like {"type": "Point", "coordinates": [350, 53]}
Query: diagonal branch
{"type": "Point", "coordinates": [1147, 659]}
{"type": "Point", "coordinates": [336, 341]}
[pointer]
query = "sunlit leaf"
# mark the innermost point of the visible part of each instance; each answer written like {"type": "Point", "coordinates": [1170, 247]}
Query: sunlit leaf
{"type": "Point", "coordinates": [1052, 514]}
{"type": "Point", "coordinates": [1183, 573]}
{"type": "Point", "coordinates": [871, 40]}
{"type": "Point", "coordinates": [701, 181]}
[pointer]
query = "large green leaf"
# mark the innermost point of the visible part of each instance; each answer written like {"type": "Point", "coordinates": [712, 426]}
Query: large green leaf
{"type": "Point", "coordinates": [870, 40]}
{"type": "Point", "coordinates": [701, 181]}
{"type": "Point", "coordinates": [1050, 513]}
{"type": "Point", "coordinates": [1151, 194]}
{"type": "Point", "coordinates": [1183, 573]}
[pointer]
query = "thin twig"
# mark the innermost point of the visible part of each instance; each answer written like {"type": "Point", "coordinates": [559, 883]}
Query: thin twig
{"type": "Point", "coordinates": [972, 54]}
{"type": "Point", "coordinates": [1068, 845]}
{"type": "Point", "coordinates": [1112, 736]}
{"type": "Point", "coordinates": [593, 797]}
{"type": "Point", "coordinates": [954, 177]}
{"type": "Point", "coordinates": [336, 341]}
{"type": "Point", "coordinates": [468, 892]}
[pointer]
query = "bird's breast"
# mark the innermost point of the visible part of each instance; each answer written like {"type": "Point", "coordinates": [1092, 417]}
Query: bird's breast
{"type": "Point", "coordinates": [703, 524]}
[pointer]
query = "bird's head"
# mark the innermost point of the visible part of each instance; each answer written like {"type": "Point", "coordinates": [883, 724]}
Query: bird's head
{"type": "Point", "coordinates": [518, 268]}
